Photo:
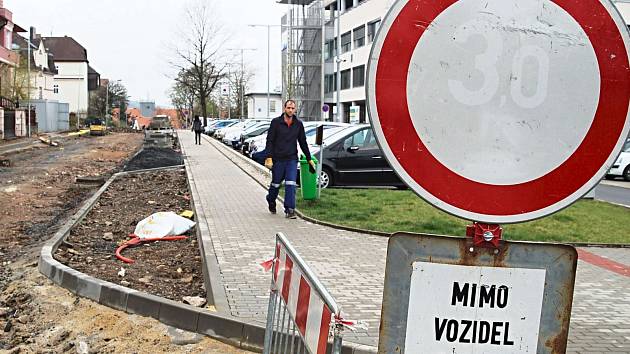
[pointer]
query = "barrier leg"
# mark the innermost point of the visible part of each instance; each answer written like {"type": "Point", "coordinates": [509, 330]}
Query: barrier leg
{"type": "Point", "coordinates": [271, 310]}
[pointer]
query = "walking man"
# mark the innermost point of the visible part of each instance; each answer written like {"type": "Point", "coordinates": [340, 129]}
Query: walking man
{"type": "Point", "coordinates": [197, 128]}
{"type": "Point", "coordinates": [283, 136]}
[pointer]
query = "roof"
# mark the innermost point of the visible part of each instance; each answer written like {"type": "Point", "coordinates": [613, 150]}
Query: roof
{"type": "Point", "coordinates": [91, 71]}
{"type": "Point", "coordinates": [65, 49]}
{"type": "Point", "coordinates": [22, 43]}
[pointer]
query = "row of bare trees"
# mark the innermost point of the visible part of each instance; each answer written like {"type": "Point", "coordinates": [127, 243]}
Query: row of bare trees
{"type": "Point", "coordinates": [203, 66]}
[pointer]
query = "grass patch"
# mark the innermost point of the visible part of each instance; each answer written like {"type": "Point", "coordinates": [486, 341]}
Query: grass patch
{"type": "Point", "coordinates": [395, 210]}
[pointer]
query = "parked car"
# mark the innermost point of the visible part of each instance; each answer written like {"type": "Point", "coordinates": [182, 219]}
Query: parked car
{"type": "Point", "coordinates": [210, 129]}
{"type": "Point", "coordinates": [310, 128]}
{"type": "Point", "coordinates": [232, 137]}
{"type": "Point", "coordinates": [242, 124]}
{"type": "Point", "coordinates": [247, 137]}
{"type": "Point", "coordinates": [621, 167]}
{"type": "Point", "coordinates": [353, 157]}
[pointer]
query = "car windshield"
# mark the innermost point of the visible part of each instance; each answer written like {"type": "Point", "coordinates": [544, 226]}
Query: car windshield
{"type": "Point", "coordinates": [626, 147]}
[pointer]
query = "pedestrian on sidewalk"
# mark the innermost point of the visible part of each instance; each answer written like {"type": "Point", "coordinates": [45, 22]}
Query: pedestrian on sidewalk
{"type": "Point", "coordinates": [285, 132]}
{"type": "Point", "coordinates": [197, 128]}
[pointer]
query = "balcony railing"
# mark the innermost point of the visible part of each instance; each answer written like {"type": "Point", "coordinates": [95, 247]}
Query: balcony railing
{"type": "Point", "coordinates": [7, 103]}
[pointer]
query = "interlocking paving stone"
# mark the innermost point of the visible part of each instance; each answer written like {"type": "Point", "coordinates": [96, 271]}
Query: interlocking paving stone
{"type": "Point", "coordinates": [352, 265]}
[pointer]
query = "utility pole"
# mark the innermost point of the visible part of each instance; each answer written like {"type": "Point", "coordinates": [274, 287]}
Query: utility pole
{"type": "Point", "coordinates": [28, 78]}
{"type": "Point", "coordinates": [241, 83]}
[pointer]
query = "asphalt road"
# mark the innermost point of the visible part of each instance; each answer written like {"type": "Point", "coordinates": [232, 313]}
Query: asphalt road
{"type": "Point", "coordinates": [619, 193]}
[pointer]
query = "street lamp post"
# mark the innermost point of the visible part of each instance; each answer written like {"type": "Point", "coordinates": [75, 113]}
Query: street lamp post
{"type": "Point", "coordinates": [242, 77]}
{"type": "Point", "coordinates": [268, 63]}
{"type": "Point", "coordinates": [338, 60]}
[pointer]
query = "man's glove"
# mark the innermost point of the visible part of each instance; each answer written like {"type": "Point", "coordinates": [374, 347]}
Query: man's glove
{"type": "Point", "coordinates": [269, 163]}
{"type": "Point", "coordinates": [311, 166]}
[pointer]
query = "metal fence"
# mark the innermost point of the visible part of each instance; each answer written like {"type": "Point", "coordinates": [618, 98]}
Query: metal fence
{"type": "Point", "coordinates": [301, 312]}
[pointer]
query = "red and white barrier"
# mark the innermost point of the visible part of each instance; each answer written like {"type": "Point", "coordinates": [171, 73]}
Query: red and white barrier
{"type": "Point", "coordinates": [312, 316]}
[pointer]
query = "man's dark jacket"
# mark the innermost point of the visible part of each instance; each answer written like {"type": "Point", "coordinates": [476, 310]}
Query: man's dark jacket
{"type": "Point", "coordinates": [282, 138]}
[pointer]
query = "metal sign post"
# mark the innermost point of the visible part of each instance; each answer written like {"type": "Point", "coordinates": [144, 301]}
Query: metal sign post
{"type": "Point", "coordinates": [478, 109]}
{"type": "Point", "coordinates": [443, 295]}
{"type": "Point", "coordinates": [319, 140]}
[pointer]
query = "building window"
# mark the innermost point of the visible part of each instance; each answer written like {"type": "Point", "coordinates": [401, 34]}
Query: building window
{"type": "Point", "coordinates": [349, 4]}
{"type": "Point", "coordinates": [345, 42]}
{"type": "Point", "coordinates": [372, 28]}
{"type": "Point", "coordinates": [330, 49]}
{"type": "Point", "coordinates": [358, 76]}
{"type": "Point", "coordinates": [272, 106]}
{"type": "Point", "coordinates": [359, 37]}
{"type": "Point", "coordinates": [55, 88]}
{"type": "Point", "coordinates": [330, 84]}
{"type": "Point", "coordinates": [345, 79]}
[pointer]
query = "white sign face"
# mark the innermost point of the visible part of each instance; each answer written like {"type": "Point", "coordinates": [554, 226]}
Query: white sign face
{"type": "Point", "coordinates": [503, 108]}
{"type": "Point", "coordinates": [225, 89]}
{"type": "Point", "coordinates": [486, 108]}
{"type": "Point", "coordinates": [470, 309]}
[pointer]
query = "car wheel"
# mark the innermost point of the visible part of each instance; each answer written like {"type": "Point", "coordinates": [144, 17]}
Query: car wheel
{"type": "Point", "coordinates": [325, 178]}
{"type": "Point", "coordinates": [626, 173]}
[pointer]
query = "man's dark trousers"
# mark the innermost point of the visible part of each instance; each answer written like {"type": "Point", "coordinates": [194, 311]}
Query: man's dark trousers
{"type": "Point", "coordinates": [283, 170]}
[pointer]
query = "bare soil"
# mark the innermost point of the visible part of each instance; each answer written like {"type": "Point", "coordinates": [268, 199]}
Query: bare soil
{"type": "Point", "coordinates": [37, 194]}
{"type": "Point", "coordinates": [170, 269]}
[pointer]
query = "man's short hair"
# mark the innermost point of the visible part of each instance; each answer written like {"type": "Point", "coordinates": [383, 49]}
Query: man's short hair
{"type": "Point", "coordinates": [196, 116]}
{"type": "Point", "coordinates": [287, 102]}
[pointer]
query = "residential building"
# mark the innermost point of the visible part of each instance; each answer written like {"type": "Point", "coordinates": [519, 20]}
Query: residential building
{"type": "Point", "coordinates": [257, 105]}
{"type": "Point", "coordinates": [7, 28]}
{"type": "Point", "coordinates": [12, 120]}
{"type": "Point", "coordinates": [75, 78]}
{"type": "Point", "coordinates": [42, 64]}
{"type": "Point", "coordinates": [360, 20]}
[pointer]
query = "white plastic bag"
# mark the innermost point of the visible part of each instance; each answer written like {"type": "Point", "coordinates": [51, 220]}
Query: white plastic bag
{"type": "Point", "coordinates": [163, 224]}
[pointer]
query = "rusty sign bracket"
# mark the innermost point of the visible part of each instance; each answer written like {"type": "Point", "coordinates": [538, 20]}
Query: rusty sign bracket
{"type": "Point", "coordinates": [485, 235]}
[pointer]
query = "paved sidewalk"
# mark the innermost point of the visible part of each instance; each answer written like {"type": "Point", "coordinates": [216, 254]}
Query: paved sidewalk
{"type": "Point", "coordinates": [351, 265]}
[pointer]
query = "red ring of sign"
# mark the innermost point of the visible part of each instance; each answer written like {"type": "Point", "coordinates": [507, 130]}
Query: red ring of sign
{"type": "Point", "coordinates": [482, 198]}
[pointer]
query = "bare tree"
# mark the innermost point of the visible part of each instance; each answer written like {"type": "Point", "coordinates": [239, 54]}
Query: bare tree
{"type": "Point", "coordinates": [198, 56]}
{"type": "Point", "coordinates": [239, 81]}
{"type": "Point", "coordinates": [101, 101]}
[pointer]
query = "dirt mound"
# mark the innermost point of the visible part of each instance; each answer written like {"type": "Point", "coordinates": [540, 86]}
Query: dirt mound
{"type": "Point", "coordinates": [153, 157]}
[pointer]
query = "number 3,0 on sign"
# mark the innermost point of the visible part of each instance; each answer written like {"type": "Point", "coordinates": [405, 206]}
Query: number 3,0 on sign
{"type": "Point", "coordinates": [500, 111]}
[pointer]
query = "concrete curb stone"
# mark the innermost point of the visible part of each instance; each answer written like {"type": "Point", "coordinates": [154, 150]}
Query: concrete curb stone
{"type": "Point", "coordinates": [227, 329]}
{"type": "Point", "coordinates": [227, 151]}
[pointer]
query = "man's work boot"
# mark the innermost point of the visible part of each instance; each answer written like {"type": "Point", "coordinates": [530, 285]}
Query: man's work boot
{"type": "Point", "coordinates": [272, 208]}
{"type": "Point", "coordinates": [290, 214]}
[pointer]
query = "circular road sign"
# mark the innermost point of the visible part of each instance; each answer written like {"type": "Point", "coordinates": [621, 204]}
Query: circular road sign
{"type": "Point", "coordinates": [500, 111]}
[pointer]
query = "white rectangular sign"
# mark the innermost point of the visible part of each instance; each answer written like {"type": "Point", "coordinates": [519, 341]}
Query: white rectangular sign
{"type": "Point", "coordinates": [354, 114]}
{"type": "Point", "coordinates": [470, 309]}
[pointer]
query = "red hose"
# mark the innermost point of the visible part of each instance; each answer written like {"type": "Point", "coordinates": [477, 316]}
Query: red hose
{"type": "Point", "coordinates": [135, 240]}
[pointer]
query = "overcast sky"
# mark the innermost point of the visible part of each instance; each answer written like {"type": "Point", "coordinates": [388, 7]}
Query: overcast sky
{"type": "Point", "coordinates": [129, 39]}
